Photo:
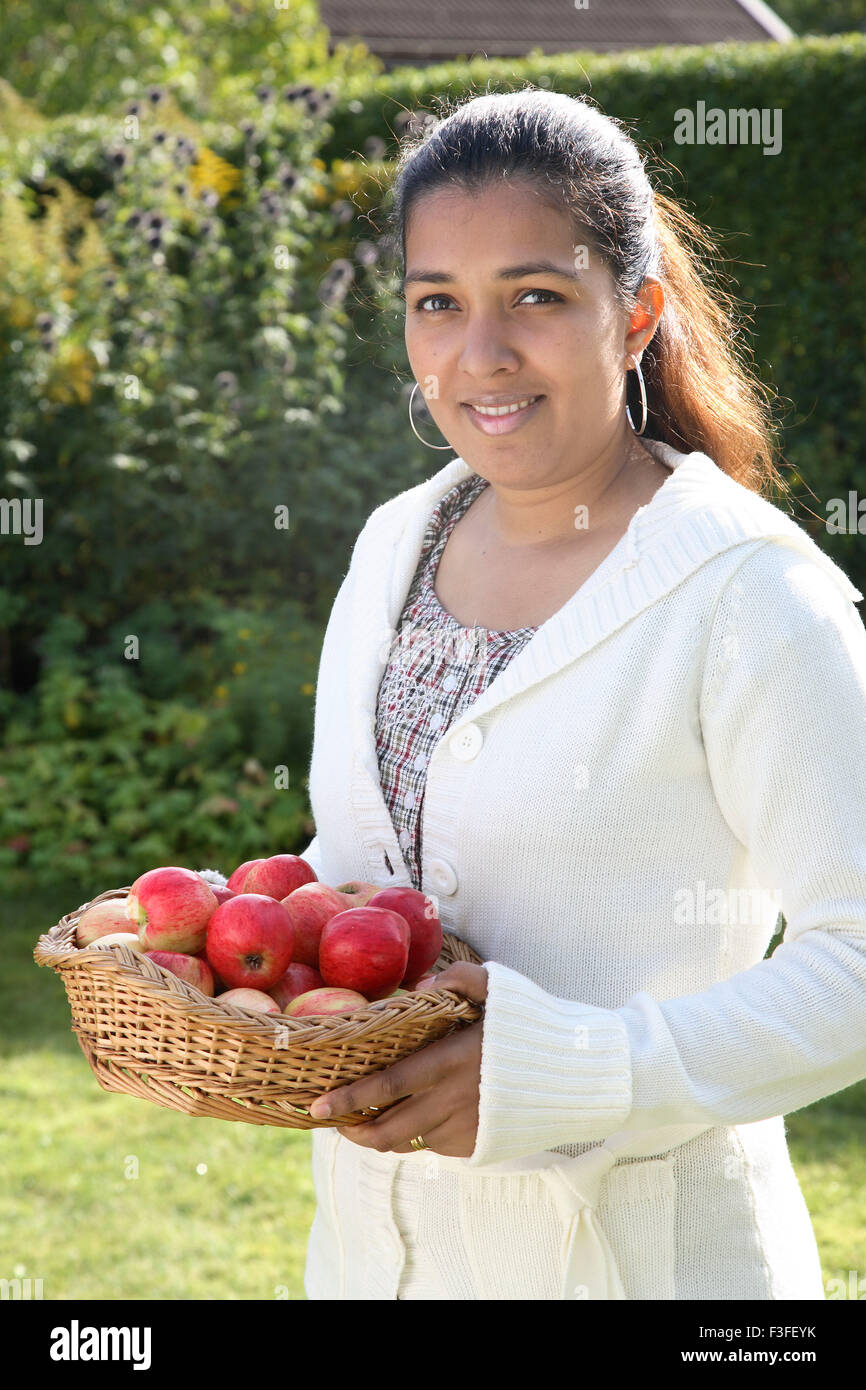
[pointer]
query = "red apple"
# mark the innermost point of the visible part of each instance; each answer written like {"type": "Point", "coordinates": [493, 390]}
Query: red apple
{"type": "Point", "coordinates": [298, 979]}
{"type": "Point", "coordinates": [171, 908]}
{"type": "Point", "coordinates": [236, 880]}
{"type": "Point", "coordinates": [194, 969]}
{"type": "Point", "coordinates": [249, 941]}
{"type": "Point", "coordinates": [365, 948]}
{"type": "Point", "coordinates": [254, 999]}
{"type": "Point", "coordinates": [101, 919]}
{"type": "Point", "coordinates": [325, 1001]}
{"type": "Point", "coordinates": [279, 876]}
{"type": "Point", "coordinates": [425, 928]}
{"type": "Point", "coordinates": [356, 892]}
{"type": "Point", "coordinates": [222, 895]}
{"type": "Point", "coordinates": [310, 907]}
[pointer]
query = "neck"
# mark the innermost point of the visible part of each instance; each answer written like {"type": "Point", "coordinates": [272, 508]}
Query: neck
{"type": "Point", "coordinates": [546, 516]}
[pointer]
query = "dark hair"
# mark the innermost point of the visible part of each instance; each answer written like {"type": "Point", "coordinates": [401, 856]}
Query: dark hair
{"type": "Point", "coordinates": [700, 395]}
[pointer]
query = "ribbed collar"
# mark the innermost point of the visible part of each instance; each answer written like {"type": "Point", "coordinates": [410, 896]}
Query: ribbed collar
{"type": "Point", "coordinates": [698, 512]}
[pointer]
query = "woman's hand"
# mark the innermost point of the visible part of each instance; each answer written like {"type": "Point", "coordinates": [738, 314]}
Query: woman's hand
{"type": "Point", "coordinates": [436, 1089]}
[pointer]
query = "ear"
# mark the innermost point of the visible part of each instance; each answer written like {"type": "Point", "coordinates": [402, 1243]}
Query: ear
{"type": "Point", "coordinates": [645, 317]}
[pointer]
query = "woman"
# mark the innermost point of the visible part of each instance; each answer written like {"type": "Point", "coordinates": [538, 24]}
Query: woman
{"type": "Point", "coordinates": [614, 785]}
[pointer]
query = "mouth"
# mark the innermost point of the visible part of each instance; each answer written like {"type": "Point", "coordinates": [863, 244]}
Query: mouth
{"type": "Point", "coordinates": [502, 419]}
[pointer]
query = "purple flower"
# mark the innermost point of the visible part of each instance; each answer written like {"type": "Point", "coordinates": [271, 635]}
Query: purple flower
{"type": "Point", "coordinates": [374, 147]}
{"type": "Point", "coordinates": [334, 286]}
{"type": "Point", "coordinates": [366, 253]}
{"type": "Point", "coordinates": [343, 210]}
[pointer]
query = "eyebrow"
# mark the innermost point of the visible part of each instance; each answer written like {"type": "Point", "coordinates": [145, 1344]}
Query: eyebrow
{"type": "Point", "coordinates": [511, 272]}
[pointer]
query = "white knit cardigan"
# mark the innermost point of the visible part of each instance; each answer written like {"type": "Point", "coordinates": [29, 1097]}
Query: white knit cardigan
{"type": "Point", "coordinates": [614, 825]}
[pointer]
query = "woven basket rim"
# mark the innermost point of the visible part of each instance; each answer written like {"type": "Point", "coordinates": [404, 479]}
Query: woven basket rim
{"type": "Point", "coordinates": [156, 980]}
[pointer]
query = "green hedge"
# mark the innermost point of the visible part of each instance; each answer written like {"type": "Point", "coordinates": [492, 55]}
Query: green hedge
{"type": "Point", "coordinates": [822, 16]}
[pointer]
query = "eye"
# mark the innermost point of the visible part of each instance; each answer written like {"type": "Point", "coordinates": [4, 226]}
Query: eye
{"type": "Point", "coordinates": [550, 294]}
{"type": "Point", "coordinates": [419, 309]}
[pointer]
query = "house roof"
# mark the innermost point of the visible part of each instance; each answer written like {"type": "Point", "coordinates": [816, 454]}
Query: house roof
{"type": "Point", "coordinates": [416, 31]}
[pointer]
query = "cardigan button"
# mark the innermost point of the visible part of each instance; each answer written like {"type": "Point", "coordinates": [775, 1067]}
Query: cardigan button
{"type": "Point", "coordinates": [442, 876]}
{"type": "Point", "coordinates": [465, 744]}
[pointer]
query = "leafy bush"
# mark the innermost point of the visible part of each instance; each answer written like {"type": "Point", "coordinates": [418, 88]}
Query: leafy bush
{"type": "Point", "coordinates": [104, 777]}
{"type": "Point", "coordinates": [172, 326]}
{"type": "Point", "coordinates": [90, 55]}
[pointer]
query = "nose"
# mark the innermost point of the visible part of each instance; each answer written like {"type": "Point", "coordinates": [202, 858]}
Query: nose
{"type": "Point", "coordinates": [486, 346]}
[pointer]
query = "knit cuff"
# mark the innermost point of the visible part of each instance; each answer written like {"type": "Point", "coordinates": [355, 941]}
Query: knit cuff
{"type": "Point", "coordinates": [553, 1072]}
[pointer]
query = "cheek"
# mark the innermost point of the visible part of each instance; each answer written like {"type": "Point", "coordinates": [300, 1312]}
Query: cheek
{"type": "Point", "coordinates": [425, 357]}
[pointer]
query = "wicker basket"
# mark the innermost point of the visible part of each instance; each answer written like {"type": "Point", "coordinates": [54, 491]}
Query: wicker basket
{"type": "Point", "coordinates": [147, 1033]}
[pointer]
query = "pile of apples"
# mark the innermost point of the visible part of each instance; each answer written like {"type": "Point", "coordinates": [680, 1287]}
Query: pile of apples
{"type": "Point", "coordinates": [275, 939]}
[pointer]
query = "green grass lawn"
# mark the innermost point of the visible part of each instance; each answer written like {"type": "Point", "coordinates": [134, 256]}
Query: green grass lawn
{"type": "Point", "coordinates": [216, 1210]}
{"type": "Point", "coordinates": [108, 1197]}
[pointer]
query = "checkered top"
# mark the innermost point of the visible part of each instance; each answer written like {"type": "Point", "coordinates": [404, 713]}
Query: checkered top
{"type": "Point", "coordinates": [436, 668]}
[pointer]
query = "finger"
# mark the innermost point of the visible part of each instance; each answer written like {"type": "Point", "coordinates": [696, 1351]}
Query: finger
{"type": "Point", "coordinates": [417, 1072]}
{"type": "Point", "coordinates": [391, 1133]}
{"type": "Point", "coordinates": [464, 978]}
{"type": "Point", "coordinates": [449, 1139]}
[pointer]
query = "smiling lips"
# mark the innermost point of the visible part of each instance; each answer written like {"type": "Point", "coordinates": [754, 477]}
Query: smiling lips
{"type": "Point", "coordinates": [502, 419]}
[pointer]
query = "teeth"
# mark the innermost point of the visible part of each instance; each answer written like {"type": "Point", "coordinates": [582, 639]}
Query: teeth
{"type": "Point", "coordinates": [504, 409]}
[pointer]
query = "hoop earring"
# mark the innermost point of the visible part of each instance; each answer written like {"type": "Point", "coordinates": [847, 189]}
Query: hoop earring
{"type": "Point", "coordinates": [412, 423]}
{"type": "Point", "coordinates": [642, 397]}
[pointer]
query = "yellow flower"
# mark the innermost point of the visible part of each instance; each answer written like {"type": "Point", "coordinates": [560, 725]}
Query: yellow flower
{"type": "Point", "coordinates": [71, 375]}
{"type": "Point", "coordinates": [20, 311]}
{"type": "Point", "coordinates": [239, 667]}
{"type": "Point", "coordinates": [221, 692]}
{"type": "Point", "coordinates": [211, 171]}
{"type": "Point", "coordinates": [307, 688]}
{"type": "Point", "coordinates": [245, 634]}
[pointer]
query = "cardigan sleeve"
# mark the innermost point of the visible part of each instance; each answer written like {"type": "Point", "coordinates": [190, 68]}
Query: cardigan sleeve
{"type": "Point", "coordinates": [783, 719]}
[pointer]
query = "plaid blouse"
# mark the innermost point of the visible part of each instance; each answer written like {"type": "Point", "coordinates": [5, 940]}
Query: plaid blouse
{"type": "Point", "coordinates": [436, 668]}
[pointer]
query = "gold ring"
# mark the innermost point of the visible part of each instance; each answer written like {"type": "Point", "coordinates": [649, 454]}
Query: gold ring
{"type": "Point", "coordinates": [418, 1142]}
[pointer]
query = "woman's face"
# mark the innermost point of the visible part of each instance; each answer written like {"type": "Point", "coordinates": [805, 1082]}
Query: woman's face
{"type": "Point", "coordinates": [482, 326]}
